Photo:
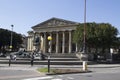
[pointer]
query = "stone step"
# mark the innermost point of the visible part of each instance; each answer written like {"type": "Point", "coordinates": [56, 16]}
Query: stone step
{"type": "Point", "coordinates": [53, 59]}
{"type": "Point", "coordinates": [44, 62]}
{"type": "Point", "coordinates": [60, 55]}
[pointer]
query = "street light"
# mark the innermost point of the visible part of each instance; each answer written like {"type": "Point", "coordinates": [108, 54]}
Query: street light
{"type": "Point", "coordinates": [84, 55]}
{"type": "Point", "coordinates": [11, 37]}
{"type": "Point", "coordinates": [84, 43]}
{"type": "Point", "coordinates": [49, 39]}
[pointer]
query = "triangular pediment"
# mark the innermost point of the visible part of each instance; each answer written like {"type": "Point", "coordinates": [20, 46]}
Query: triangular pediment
{"type": "Point", "coordinates": [54, 22]}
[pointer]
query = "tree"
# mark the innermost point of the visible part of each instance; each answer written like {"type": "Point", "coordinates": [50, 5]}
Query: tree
{"type": "Point", "coordinates": [5, 38]}
{"type": "Point", "coordinates": [100, 35]}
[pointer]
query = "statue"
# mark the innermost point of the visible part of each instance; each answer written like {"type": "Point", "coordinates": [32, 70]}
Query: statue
{"type": "Point", "coordinates": [36, 42]}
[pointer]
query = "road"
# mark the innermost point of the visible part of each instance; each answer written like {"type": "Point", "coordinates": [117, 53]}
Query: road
{"type": "Point", "coordinates": [97, 74]}
{"type": "Point", "coordinates": [26, 72]}
{"type": "Point", "coordinates": [17, 72]}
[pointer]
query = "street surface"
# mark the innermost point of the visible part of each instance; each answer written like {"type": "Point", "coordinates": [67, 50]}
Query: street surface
{"type": "Point", "coordinates": [97, 74]}
{"type": "Point", "coordinates": [17, 72]}
{"type": "Point", "coordinates": [26, 72]}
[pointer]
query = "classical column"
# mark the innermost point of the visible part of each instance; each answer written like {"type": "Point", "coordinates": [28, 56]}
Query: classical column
{"type": "Point", "coordinates": [50, 43]}
{"type": "Point", "coordinates": [28, 44]}
{"type": "Point", "coordinates": [44, 43]}
{"type": "Point", "coordinates": [63, 42]}
{"type": "Point", "coordinates": [40, 41]}
{"type": "Point", "coordinates": [57, 42]}
{"type": "Point", "coordinates": [76, 47]}
{"type": "Point", "coordinates": [70, 34]}
{"type": "Point", "coordinates": [30, 39]}
{"type": "Point", "coordinates": [32, 45]}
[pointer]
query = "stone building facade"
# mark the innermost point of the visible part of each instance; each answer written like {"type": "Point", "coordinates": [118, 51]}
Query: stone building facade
{"type": "Point", "coordinates": [61, 32]}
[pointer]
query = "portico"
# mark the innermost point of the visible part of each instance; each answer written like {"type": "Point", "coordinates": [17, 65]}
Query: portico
{"type": "Point", "coordinates": [61, 32]}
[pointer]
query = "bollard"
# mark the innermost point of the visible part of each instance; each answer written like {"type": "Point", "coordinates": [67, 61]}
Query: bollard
{"type": "Point", "coordinates": [84, 66]}
{"type": "Point", "coordinates": [10, 58]}
{"type": "Point", "coordinates": [48, 64]}
{"type": "Point", "coordinates": [9, 62]}
{"type": "Point", "coordinates": [32, 59]}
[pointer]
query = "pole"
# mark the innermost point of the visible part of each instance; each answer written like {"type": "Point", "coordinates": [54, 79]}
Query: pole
{"type": "Point", "coordinates": [10, 59]}
{"type": "Point", "coordinates": [50, 43]}
{"type": "Point", "coordinates": [85, 66]}
{"type": "Point", "coordinates": [32, 59]}
{"type": "Point", "coordinates": [84, 48]}
{"type": "Point", "coordinates": [9, 62]}
{"type": "Point", "coordinates": [49, 56]}
{"type": "Point", "coordinates": [84, 43]}
{"type": "Point", "coordinates": [11, 37]}
{"type": "Point", "coordinates": [48, 64]}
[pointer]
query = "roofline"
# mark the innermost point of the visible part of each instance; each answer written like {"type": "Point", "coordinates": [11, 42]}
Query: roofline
{"type": "Point", "coordinates": [76, 23]}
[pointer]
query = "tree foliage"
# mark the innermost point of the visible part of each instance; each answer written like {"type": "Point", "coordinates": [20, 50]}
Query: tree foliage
{"type": "Point", "coordinates": [5, 38]}
{"type": "Point", "coordinates": [102, 35]}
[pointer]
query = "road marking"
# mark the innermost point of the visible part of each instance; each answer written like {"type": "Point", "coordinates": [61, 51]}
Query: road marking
{"type": "Point", "coordinates": [56, 79]}
{"type": "Point", "coordinates": [39, 78]}
{"type": "Point", "coordinates": [70, 78]}
{"type": "Point", "coordinates": [43, 78]}
{"type": "Point", "coordinates": [15, 76]}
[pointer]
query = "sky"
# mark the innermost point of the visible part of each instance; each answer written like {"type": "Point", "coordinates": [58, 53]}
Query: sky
{"type": "Point", "coordinates": [24, 14]}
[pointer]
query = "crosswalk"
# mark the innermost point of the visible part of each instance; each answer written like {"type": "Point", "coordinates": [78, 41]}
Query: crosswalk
{"type": "Point", "coordinates": [39, 78]}
{"type": "Point", "coordinates": [43, 78]}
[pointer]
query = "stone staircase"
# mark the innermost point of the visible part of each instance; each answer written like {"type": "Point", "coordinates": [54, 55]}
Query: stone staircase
{"type": "Point", "coordinates": [55, 59]}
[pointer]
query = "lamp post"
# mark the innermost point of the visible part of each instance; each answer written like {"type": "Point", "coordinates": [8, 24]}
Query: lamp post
{"type": "Point", "coordinates": [49, 39]}
{"type": "Point", "coordinates": [84, 55]}
{"type": "Point", "coordinates": [11, 40]}
{"type": "Point", "coordinates": [84, 42]}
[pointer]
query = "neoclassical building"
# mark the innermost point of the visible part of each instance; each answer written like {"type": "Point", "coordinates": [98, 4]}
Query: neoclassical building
{"type": "Point", "coordinates": [61, 32]}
